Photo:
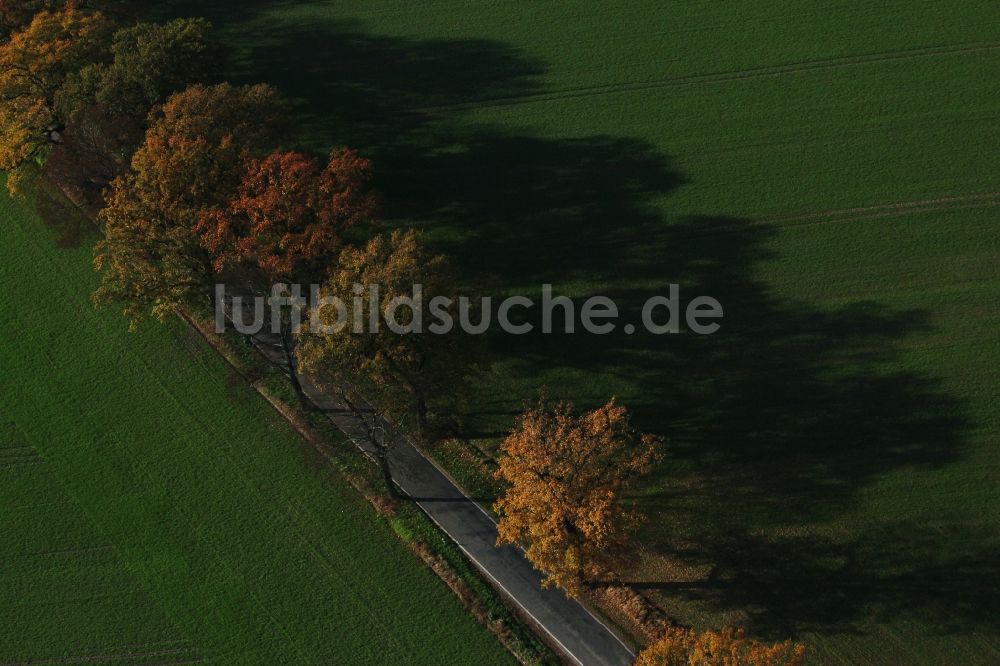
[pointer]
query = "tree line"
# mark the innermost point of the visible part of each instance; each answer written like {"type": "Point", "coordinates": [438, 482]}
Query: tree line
{"type": "Point", "coordinates": [193, 184]}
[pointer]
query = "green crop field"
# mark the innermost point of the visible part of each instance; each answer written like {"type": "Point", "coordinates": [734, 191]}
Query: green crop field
{"type": "Point", "coordinates": [152, 512]}
{"type": "Point", "coordinates": [827, 170]}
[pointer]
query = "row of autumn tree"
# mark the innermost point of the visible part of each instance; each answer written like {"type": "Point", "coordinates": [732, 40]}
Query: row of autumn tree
{"type": "Point", "coordinates": [192, 186]}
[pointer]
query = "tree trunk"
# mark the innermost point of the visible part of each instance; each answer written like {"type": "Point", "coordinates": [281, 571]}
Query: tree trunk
{"type": "Point", "coordinates": [382, 455]}
{"type": "Point", "coordinates": [420, 405]}
{"type": "Point", "coordinates": [377, 436]}
{"type": "Point", "coordinates": [286, 346]}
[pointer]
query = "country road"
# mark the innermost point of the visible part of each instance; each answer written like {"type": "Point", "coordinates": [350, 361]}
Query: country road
{"type": "Point", "coordinates": [565, 623]}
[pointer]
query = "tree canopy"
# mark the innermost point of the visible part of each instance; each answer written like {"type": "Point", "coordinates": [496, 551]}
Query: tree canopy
{"type": "Point", "coordinates": [34, 64]}
{"type": "Point", "coordinates": [148, 62]}
{"type": "Point", "coordinates": [151, 256]}
{"type": "Point", "coordinates": [289, 215]}
{"type": "Point", "coordinates": [16, 14]}
{"type": "Point", "coordinates": [72, 91]}
{"type": "Point", "coordinates": [728, 647]}
{"type": "Point", "coordinates": [399, 372]}
{"type": "Point", "coordinates": [565, 476]}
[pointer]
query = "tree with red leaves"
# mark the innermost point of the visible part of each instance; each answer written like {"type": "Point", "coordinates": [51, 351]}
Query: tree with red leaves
{"type": "Point", "coordinates": [286, 223]}
{"type": "Point", "coordinates": [289, 214]}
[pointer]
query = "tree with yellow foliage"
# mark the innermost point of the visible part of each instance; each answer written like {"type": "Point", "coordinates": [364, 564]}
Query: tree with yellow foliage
{"type": "Point", "coordinates": [371, 354]}
{"type": "Point", "coordinates": [728, 647]}
{"type": "Point", "coordinates": [16, 14]}
{"type": "Point", "coordinates": [565, 476]}
{"type": "Point", "coordinates": [34, 65]}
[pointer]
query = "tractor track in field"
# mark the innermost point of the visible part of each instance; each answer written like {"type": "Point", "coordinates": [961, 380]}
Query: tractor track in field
{"type": "Point", "coordinates": [70, 552]}
{"type": "Point", "coordinates": [133, 654]}
{"type": "Point", "coordinates": [873, 212]}
{"type": "Point", "coordinates": [26, 457]}
{"type": "Point", "coordinates": [878, 211]}
{"type": "Point", "coordinates": [798, 67]}
{"type": "Point", "coordinates": [19, 463]}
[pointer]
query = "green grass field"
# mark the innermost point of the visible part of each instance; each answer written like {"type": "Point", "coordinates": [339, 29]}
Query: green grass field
{"type": "Point", "coordinates": [152, 512]}
{"type": "Point", "coordinates": [827, 170]}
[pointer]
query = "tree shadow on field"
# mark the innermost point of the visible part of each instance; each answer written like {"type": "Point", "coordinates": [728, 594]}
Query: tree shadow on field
{"type": "Point", "coordinates": [778, 421]}
{"type": "Point", "coordinates": [72, 227]}
{"type": "Point", "coordinates": [405, 103]}
{"type": "Point", "coordinates": [782, 585]}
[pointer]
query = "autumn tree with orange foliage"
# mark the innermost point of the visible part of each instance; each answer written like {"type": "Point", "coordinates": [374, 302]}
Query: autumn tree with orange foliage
{"type": "Point", "coordinates": [34, 65]}
{"type": "Point", "coordinates": [151, 256]}
{"type": "Point", "coordinates": [565, 476]}
{"type": "Point", "coordinates": [728, 647]}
